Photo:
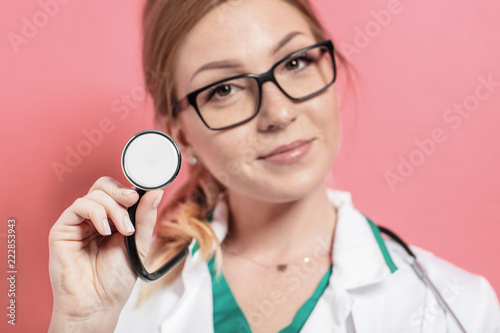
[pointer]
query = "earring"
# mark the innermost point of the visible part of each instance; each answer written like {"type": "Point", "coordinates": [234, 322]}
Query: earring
{"type": "Point", "coordinates": [193, 160]}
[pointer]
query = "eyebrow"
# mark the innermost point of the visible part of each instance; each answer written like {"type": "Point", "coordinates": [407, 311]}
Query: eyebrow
{"type": "Point", "coordinates": [285, 40]}
{"type": "Point", "coordinates": [234, 63]}
{"type": "Point", "coordinates": [216, 65]}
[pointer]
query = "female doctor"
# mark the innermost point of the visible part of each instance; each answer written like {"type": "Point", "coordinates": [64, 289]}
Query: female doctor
{"type": "Point", "coordinates": [297, 256]}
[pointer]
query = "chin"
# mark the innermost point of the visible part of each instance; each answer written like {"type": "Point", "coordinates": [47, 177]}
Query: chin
{"type": "Point", "coordinates": [290, 186]}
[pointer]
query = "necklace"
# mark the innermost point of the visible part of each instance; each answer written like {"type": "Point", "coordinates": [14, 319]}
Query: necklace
{"type": "Point", "coordinates": [281, 267]}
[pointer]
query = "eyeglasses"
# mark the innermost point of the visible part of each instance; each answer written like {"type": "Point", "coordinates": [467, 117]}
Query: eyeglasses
{"type": "Point", "coordinates": [236, 100]}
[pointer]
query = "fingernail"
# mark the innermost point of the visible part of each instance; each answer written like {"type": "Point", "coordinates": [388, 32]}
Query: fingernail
{"type": "Point", "coordinates": [107, 229]}
{"type": "Point", "coordinates": [127, 192]}
{"type": "Point", "coordinates": [128, 224]}
{"type": "Point", "coordinates": [157, 202]}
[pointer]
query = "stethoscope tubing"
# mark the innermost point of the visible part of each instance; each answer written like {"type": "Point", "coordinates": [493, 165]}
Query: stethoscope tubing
{"type": "Point", "coordinates": [422, 274]}
{"type": "Point", "coordinates": [136, 261]}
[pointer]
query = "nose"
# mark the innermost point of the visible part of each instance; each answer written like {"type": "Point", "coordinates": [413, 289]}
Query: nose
{"type": "Point", "coordinates": [277, 111]}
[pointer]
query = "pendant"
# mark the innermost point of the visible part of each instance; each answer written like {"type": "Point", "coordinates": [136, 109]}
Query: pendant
{"type": "Point", "coordinates": [282, 267]}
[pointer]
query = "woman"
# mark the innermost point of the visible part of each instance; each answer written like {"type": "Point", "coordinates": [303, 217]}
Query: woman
{"type": "Point", "coordinates": [297, 255]}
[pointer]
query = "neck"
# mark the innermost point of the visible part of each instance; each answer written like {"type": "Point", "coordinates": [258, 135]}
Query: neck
{"type": "Point", "coordinates": [280, 231]}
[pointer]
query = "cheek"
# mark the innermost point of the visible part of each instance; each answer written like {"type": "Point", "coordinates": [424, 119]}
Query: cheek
{"type": "Point", "coordinates": [326, 118]}
{"type": "Point", "coordinates": [219, 152]}
{"type": "Point", "coordinates": [333, 126]}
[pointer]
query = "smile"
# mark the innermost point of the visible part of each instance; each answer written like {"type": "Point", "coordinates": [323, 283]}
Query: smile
{"type": "Point", "coordinates": [289, 153]}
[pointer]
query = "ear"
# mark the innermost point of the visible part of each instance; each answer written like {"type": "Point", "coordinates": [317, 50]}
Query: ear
{"type": "Point", "coordinates": [165, 124]}
{"type": "Point", "coordinates": [174, 128]}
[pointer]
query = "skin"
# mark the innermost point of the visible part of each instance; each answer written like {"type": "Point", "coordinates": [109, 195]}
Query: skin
{"type": "Point", "coordinates": [90, 273]}
{"type": "Point", "coordinates": [278, 213]}
{"type": "Point", "coordinates": [267, 202]}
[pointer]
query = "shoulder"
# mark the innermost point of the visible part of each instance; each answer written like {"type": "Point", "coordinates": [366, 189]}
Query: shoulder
{"type": "Point", "coordinates": [148, 317]}
{"type": "Point", "coordinates": [171, 307]}
{"type": "Point", "coordinates": [469, 295]}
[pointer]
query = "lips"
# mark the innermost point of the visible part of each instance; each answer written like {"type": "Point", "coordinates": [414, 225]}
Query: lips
{"type": "Point", "coordinates": [285, 148]}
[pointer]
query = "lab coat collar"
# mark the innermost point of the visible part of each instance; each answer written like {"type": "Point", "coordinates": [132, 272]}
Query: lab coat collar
{"type": "Point", "coordinates": [358, 258]}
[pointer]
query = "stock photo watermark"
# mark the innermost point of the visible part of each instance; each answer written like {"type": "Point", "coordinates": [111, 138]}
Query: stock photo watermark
{"type": "Point", "coordinates": [121, 107]}
{"type": "Point", "coordinates": [380, 20]}
{"type": "Point", "coordinates": [292, 280]}
{"type": "Point", "coordinates": [453, 119]}
{"type": "Point", "coordinates": [248, 148]}
{"type": "Point", "coordinates": [75, 155]}
{"type": "Point", "coordinates": [427, 314]}
{"type": "Point", "coordinates": [32, 25]}
{"type": "Point", "coordinates": [11, 271]}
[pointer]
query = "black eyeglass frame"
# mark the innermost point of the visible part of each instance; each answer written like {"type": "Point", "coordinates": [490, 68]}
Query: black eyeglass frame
{"type": "Point", "coordinates": [190, 98]}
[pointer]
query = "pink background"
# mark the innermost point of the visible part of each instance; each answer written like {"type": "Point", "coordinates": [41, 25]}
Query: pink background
{"type": "Point", "coordinates": [82, 69]}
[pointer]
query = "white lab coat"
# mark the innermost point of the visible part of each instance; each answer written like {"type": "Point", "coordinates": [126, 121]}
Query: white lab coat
{"type": "Point", "coordinates": [361, 284]}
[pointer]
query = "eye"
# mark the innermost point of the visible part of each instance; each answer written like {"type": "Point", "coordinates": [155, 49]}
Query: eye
{"type": "Point", "coordinates": [292, 64]}
{"type": "Point", "coordinates": [298, 63]}
{"type": "Point", "coordinates": [223, 90]}
{"type": "Point", "coordinates": [220, 91]}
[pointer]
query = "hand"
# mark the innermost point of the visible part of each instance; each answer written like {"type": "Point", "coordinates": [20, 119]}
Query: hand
{"type": "Point", "coordinates": [89, 268]}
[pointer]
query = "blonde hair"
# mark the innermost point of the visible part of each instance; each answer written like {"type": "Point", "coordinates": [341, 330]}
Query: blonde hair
{"type": "Point", "coordinates": [165, 23]}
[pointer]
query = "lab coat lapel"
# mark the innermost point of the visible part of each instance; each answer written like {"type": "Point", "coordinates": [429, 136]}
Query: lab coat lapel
{"type": "Point", "coordinates": [194, 312]}
{"type": "Point", "coordinates": [357, 262]}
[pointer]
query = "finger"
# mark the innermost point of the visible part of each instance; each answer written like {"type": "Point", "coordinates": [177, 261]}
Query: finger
{"type": "Point", "coordinates": [114, 210]}
{"type": "Point", "coordinates": [85, 209]}
{"type": "Point", "coordinates": [124, 196]}
{"type": "Point", "coordinates": [145, 220]}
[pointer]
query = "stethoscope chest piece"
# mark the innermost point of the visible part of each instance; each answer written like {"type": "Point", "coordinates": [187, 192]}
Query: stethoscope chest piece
{"type": "Point", "coordinates": [151, 160]}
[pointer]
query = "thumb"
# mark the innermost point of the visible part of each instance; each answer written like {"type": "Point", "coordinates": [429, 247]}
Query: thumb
{"type": "Point", "coordinates": [145, 220]}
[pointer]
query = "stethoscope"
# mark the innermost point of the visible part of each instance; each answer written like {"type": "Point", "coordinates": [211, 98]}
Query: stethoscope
{"type": "Point", "coordinates": [151, 160]}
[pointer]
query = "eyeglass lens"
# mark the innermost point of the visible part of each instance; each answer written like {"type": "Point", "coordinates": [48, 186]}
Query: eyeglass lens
{"type": "Point", "coordinates": [236, 100]}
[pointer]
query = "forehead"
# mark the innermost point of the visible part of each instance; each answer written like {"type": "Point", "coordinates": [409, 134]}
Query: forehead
{"type": "Point", "coordinates": [243, 30]}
